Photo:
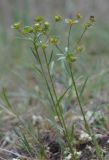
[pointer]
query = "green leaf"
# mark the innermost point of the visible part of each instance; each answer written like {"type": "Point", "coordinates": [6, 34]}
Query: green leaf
{"type": "Point", "coordinates": [55, 125]}
{"type": "Point", "coordinates": [35, 55]}
{"type": "Point", "coordinates": [5, 98]}
{"type": "Point", "coordinates": [62, 96]}
{"type": "Point", "coordinates": [83, 87]}
{"type": "Point", "coordinates": [51, 56]}
{"type": "Point", "coordinates": [36, 68]}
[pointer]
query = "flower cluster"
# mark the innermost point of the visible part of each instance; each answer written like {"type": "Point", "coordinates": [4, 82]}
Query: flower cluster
{"type": "Point", "coordinates": [90, 22]}
{"type": "Point", "coordinates": [40, 31]}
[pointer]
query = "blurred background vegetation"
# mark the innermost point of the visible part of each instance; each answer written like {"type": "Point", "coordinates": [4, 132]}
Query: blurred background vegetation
{"type": "Point", "coordinates": [16, 59]}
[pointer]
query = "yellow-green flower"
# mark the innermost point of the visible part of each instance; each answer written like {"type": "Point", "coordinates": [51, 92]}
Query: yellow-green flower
{"type": "Point", "coordinates": [39, 19]}
{"type": "Point", "coordinates": [57, 18]}
{"type": "Point", "coordinates": [44, 45]}
{"type": "Point", "coordinates": [78, 16]}
{"type": "Point", "coordinates": [46, 25]}
{"type": "Point", "coordinates": [88, 25]}
{"type": "Point", "coordinates": [27, 30]}
{"type": "Point", "coordinates": [38, 27]}
{"type": "Point", "coordinates": [16, 25]}
{"type": "Point", "coordinates": [71, 21]}
{"type": "Point", "coordinates": [70, 57]}
{"type": "Point", "coordinates": [90, 22]}
{"type": "Point", "coordinates": [79, 49]}
{"type": "Point", "coordinates": [54, 40]}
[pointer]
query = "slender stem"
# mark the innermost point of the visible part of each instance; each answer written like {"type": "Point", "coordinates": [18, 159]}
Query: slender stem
{"type": "Point", "coordinates": [44, 75]}
{"type": "Point", "coordinates": [68, 43]}
{"type": "Point", "coordinates": [79, 101]}
{"type": "Point", "coordinates": [60, 50]}
{"type": "Point", "coordinates": [79, 40]}
{"type": "Point", "coordinates": [59, 107]}
{"type": "Point", "coordinates": [64, 131]}
{"type": "Point", "coordinates": [48, 87]}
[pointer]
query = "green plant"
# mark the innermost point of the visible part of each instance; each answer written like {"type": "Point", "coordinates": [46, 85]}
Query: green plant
{"type": "Point", "coordinates": [43, 47]}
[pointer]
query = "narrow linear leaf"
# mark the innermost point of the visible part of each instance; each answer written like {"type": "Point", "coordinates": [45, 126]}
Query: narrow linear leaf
{"type": "Point", "coordinates": [66, 68]}
{"type": "Point", "coordinates": [26, 144]}
{"type": "Point", "coordinates": [24, 140]}
{"type": "Point", "coordinates": [51, 56]}
{"type": "Point", "coordinates": [36, 68]}
{"type": "Point", "coordinates": [52, 67]}
{"type": "Point", "coordinates": [61, 58]}
{"type": "Point", "coordinates": [62, 96]}
{"type": "Point", "coordinates": [83, 87]}
{"type": "Point", "coordinates": [5, 98]}
{"type": "Point", "coordinates": [55, 125]}
{"type": "Point", "coordinates": [35, 55]}
{"type": "Point", "coordinates": [16, 132]}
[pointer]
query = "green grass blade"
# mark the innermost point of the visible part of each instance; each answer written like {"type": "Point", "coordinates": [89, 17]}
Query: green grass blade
{"type": "Point", "coordinates": [5, 98]}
